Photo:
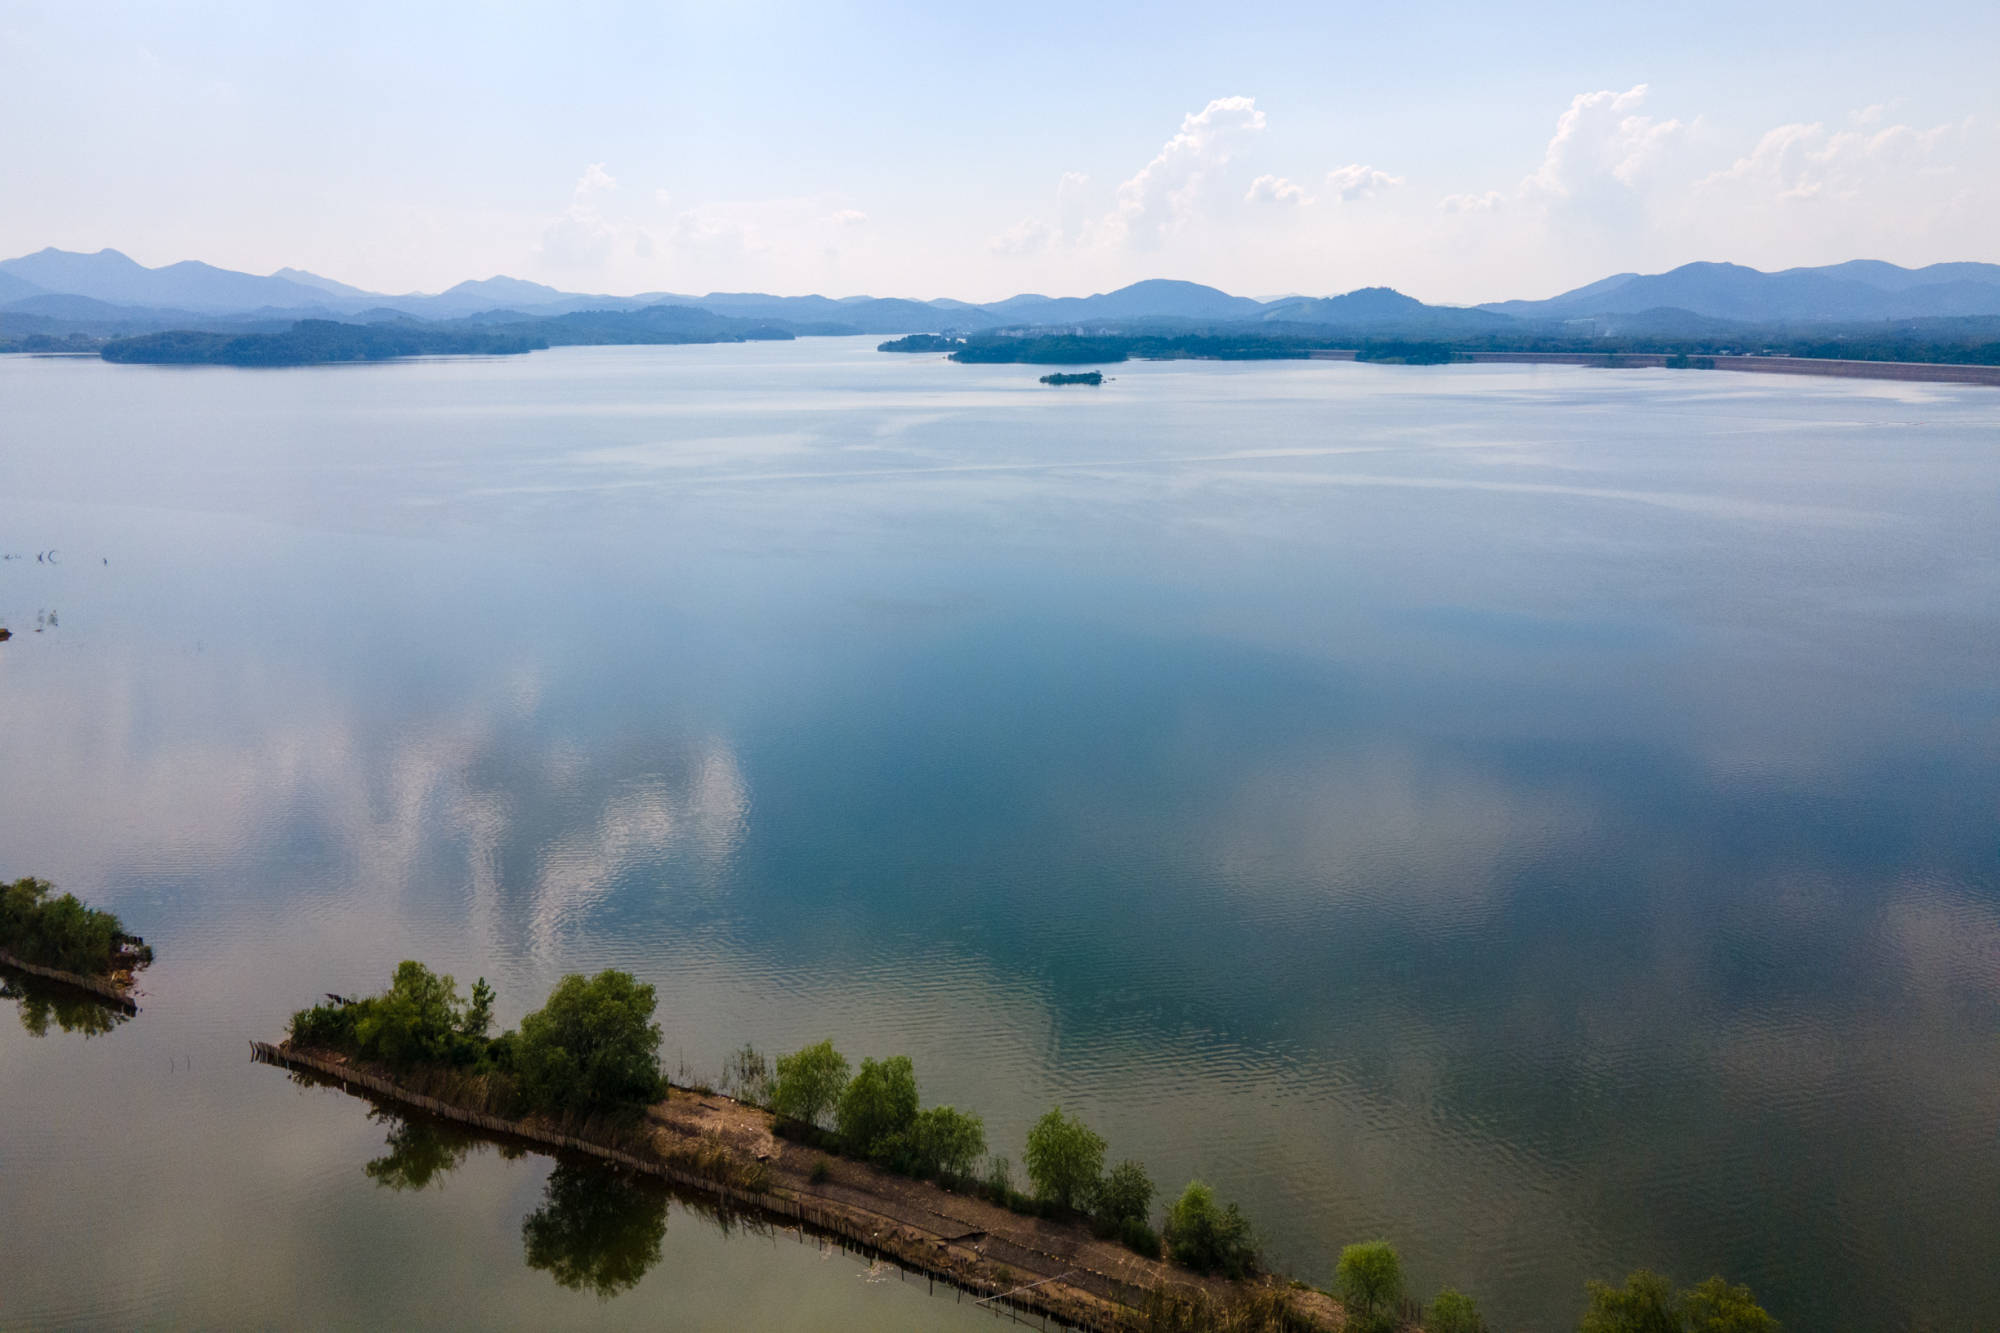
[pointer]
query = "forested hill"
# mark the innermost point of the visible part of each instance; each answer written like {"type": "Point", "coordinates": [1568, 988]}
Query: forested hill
{"type": "Point", "coordinates": [313, 342]}
{"type": "Point", "coordinates": [321, 342]}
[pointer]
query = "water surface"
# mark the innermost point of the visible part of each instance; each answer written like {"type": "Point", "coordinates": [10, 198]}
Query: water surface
{"type": "Point", "coordinates": [1543, 816]}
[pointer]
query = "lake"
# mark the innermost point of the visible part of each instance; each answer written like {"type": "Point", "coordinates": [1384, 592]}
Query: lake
{"type": "Point", "coordinates": [1542, 816]}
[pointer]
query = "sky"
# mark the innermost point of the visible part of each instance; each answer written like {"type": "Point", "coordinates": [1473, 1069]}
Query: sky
{"type": "Point", "coordinates": [1458, 153]}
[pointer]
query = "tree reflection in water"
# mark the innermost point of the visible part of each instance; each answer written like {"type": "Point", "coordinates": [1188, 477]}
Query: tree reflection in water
{"type": "Point", "coordinates": [421, 1152]}
{"type": "Point", "coordinates": [597, 1230]}
{"type": "Point", "coordinates": [42, 1005]}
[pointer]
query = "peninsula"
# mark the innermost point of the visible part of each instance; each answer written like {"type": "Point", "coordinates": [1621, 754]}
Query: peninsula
{"type": "Point", "coordinates": [851, 1153]}
{"type": "Point", "coordinates": [1886, 357]}
{"type": "Point", "coordinates": [310, 342]}
{"type": "Point", "coordinates": [60, 939]}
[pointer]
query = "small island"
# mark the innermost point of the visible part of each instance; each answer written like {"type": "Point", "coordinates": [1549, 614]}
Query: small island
{"type": "Point", "coordinates": [1092, 377]}
{"type": "Point", "coordinates": [58, 938]}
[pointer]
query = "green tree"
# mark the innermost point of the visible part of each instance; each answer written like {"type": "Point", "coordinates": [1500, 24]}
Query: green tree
{"type": "Point", "coordinates": [1717, 1307]}
{"type": "Point", "coordinates": [1369, 1279]}
{"type": "Point", "coordinates": [416, 1020]}
{"type": "Point", "coordinates": [1645, 1304]}
{"type": "Point", "coordinates": [946, 1142]}
{"type": "Point", "coordinates": [594, 1045]}
{"type": "Point", "coordinates": [57, 932]}
{"type": "Point", "coordinates": [810, 1082]}
{"type": "Point", "coordinates": [479, 1014]}
{"type": "Point", "coordinates": [877, 1108]}
{"type": "Point", "coordinates": [1453, 1312]}
{"type": "Point", "coordinates": [1204, 1235]}
{"type": "Point", "coordinates": [1065, 1159]}
{"type": "Point", "coordinates": [1126, 1194]}
{"type": "Point", "coordinates": [595, 1231]}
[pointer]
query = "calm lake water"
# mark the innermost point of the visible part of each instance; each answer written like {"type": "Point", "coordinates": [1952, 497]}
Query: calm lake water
{"type": "Point", "coordinates": [1542, 816]}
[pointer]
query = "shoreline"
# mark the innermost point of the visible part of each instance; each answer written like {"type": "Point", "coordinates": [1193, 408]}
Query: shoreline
{"type": "Point", "coordinates": [102, 988]}
{"type": "Point", "coordinates": [1930, 372]}
{"type": "Point", "coordinates": [1057, 1270]}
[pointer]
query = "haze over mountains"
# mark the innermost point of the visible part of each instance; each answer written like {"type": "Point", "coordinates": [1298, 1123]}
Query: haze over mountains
{"type": "Point", "coordinates": [60, 291]}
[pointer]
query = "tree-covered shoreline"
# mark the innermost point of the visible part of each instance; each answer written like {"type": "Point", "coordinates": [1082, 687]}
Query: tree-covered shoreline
{"type": "Point", "coordinates": [589, 1058]}
{"type": "Point", "coordinates": [59, 932]}
{"type": "Point", "coordinates": [1976, 344]}
{"type": "Point", "coordinates": [310, 342]}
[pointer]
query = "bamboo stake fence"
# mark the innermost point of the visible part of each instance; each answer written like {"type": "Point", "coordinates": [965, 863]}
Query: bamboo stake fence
{"type": "Point", "coordinates": [842, 1224]}
{"type": "Point", "coordinates": [98, 986]}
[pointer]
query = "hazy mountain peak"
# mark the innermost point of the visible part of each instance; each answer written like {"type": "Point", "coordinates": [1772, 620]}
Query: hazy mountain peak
{"type": "Point", "coordinates": [1862, 289]}
{"type": "Point", "coordinates": [500, 283]}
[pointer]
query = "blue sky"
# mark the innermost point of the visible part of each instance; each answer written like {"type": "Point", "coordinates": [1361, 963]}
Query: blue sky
{"type": "Point", "coordinates": [1470, 153]}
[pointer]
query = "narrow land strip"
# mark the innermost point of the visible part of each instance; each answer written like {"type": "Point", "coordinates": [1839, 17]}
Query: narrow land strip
{"type": "Point", "coordinates": [1051, 1268]}
{"type": "Point", "coordinates": [110, 989]}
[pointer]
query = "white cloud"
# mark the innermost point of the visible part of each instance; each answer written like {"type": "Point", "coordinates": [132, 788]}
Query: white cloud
{"type": "Point", "coordinates": [1618, 187]}
{"type": "Point", "coordinates": [1167, 192]}
{"type": "Point", "coordinates": [1029, 236]}
{"type": "Point", "coordinates": [1072, 205]}
{"type": "Point", "coordinates": [847, 217]}
{"type": "Point", "coordinates": [1602, 136]}
{"type": "Point", "coordinates": [1276, 190]}
{"type": "Point", "coordinates": [1490, 202]}
{"type": "Point", "coordinates": [1805, 193]}
{"type": "Point", "coordinates": [580, 237]}
{"type": "Point", "coordinates": [1357, 181]}
{"type": "Point", "coordinates": [1806, 161]}
{"type": "Point", "coordinates": [1034, 236]}
{"type": "Point", "coordinates": [710, 237]}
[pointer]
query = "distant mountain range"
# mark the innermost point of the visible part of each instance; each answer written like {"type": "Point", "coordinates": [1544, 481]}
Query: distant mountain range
{"type": "Point", "coordinates": [1861, 289]}
{"type": "Point", "coordinates": [62, 292]}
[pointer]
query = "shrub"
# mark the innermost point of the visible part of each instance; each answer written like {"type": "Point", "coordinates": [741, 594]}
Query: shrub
{"type": "Point", "coordinates": [1208, 1237]}
{"type": "Point", "coordinates": [328, 1025]}
{"type": "Point", "coordinates": [1645, 1304]}
{"type": "Point", "coordinates": [877, 1108]}
{"type": "Point", "coordinates": [1453, 1312]}
{"type": "Point", "coordinates": [419, 1019]}
{"type": "Point", "coordinates": [1065, 1159]}
{"type": "Point", "coordinates": [946, 1142]}
{"type": "Point", "coordinates": [593, 1046]}
{"type": "Point", "coordinates": [999, 1178]}
{"type": "Point", "coordinates": [1369, 1280]}
{"type": "Point", "coordinates": [1139, 1238]}
{"type": "Point", "coordinates": [747, 1076]}
{"type": "Point", "coordinates": [809, 1083]}
{"type": "Point", "coordinates": [1126, 1195]}
{"type": "Point", "coordinates": [1717, 1307]}
{"type": "Point", "coordinates": [56, 932]}
{"type": "Point", "coordinates": [500, 1052]}
{"type": "Point", "coordinates": [821, 1172]}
